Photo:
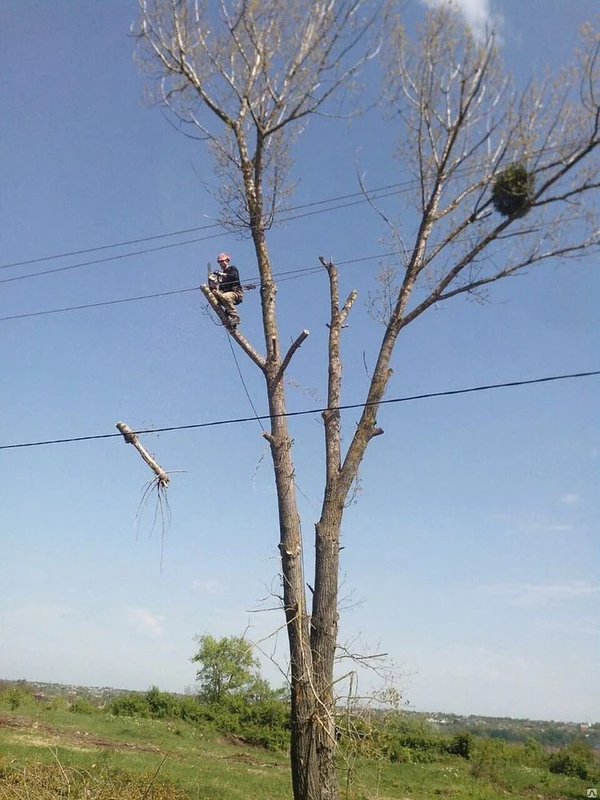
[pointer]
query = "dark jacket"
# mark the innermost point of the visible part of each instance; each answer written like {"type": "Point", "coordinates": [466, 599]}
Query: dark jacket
{"type": "Point", "coordinates": [230, 280]}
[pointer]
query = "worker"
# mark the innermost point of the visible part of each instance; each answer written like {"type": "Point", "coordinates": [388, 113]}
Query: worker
{"type": "Point", "coordinates": [228, 291]}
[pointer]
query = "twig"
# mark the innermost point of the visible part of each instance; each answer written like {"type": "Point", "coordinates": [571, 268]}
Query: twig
{"type": "Point", "coordinates": [154, 777]}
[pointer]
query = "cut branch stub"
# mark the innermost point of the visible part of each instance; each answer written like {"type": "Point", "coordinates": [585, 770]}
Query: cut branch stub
{"type": "Point", "coordinates": [288, 356]}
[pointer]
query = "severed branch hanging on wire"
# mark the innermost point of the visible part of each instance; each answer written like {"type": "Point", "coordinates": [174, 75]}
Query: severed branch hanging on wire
{"type": "Point", "coordinates": [130, 437]}
{"type": "Point", "coordinates": [162, 511]}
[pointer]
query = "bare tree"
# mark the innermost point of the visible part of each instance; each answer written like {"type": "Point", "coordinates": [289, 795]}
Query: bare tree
{"type": "Point", "coordinates": [491, 164]}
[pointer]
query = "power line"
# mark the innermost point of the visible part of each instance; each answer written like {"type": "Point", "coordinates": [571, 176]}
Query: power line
{"type": "Point", "coordinates": [97, 305]}
{"type": "Point", "coordinates": [402, 185]}
{"type": "Point", "coordinates": [237, 364]}
{"type": "Point", "coordinates": [109, 258]}
{"type": "Point", "coordinates": [281, 276]}
{"type": "Point", "coordinates": [311, 204]}
{"type": "Point", "coordinates": [106, 259]}
{"type": "Point", "coordinates": [286, 275]}
{"type": "Point", "coordinates": [215, 423]}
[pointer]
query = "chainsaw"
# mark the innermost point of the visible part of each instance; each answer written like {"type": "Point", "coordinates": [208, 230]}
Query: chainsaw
{"type": "Point", "coordinates": [215, 278]}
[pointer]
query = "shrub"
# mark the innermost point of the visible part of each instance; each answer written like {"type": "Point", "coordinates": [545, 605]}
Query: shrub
{"type": "Point", "coordinates": [15, 698]}
{"type": "Point", "coordinates": [161, 704]}
{"type": "Point", "coordinates": [488, 758]}
{"type": "Point", "coordinates": [83, 706]}
{"type": "Point", "coordinates": [565, 763]}
{"type": "Point", "coordinates": [577, 760]}
{"type": "Point", "coordinates": [534, 754]}
{"type": "Point", "coordinates": [403, 733]}
{"type": "Point", "coordinates": [129, 705]}
{"type": "Point", "coordinates": [461, 744]}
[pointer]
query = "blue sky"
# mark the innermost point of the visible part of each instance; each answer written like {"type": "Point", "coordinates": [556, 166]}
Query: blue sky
{"type": "Point", "coordinates": [471, 556]}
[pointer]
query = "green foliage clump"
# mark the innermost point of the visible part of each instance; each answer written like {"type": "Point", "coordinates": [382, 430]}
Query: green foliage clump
{"type": "Point", "coordinates": [14, 697]}
{"type": "Point", "coordinates": [265, 723]}
{"type": "Point", "coordinates": [83, 706]}
{"type": "Point", "coordinates": [132, 704]}
{"type": "Point", "coordinates": [565, 763]}
{"type": "Point", "coordinates": [577, 760]}
{"type": "Point", "coordinates": [513, 191]}
{"type": "Point", "coordinates": [161, 704]}
{"type": "Point", "coordinates": [461, 744]}
{"type": "Point", "coordinates": [403, 736]}
{"type": "Point", "coordinates": [533, 754]}
{"type": "Point", "coordinates": [488, 759]}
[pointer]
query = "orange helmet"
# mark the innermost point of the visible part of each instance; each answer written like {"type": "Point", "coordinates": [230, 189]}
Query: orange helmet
{"type": "Point", "coordinates": [223, 257]}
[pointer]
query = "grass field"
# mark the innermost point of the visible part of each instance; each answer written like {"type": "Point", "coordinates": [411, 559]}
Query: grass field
{"type": "Point", "coordinates": [48, 753]}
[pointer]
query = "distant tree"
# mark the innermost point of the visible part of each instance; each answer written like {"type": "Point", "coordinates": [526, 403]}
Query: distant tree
{"type": "Point", "coordinates": [227, 667]}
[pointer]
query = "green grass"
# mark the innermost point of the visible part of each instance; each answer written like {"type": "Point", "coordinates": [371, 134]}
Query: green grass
{"type": "Point", "coordinates": [97, 753]}
{"type": "Point", "coordinates": [201, 764]}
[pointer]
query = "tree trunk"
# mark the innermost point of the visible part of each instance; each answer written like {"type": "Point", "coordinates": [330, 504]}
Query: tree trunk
{"type": "Point", "coordinates": [312, 763]}
{"type": "Point", "coordinates": [312, 759]}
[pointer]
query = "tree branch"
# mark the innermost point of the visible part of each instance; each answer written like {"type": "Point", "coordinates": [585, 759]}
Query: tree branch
{"type": "Point", "coordinates": [241, 340]}
{"type": "Point", "coordinates": [131, 438]}
{"type": "Point", "coordinates": [288, 356]}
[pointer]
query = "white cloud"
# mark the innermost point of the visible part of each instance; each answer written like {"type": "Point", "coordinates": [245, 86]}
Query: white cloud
{"type": "Point", "coordinates": [477, 14]}
{"type": "Point", "coordinates": [145, 621]}
{"type": "Point", "coordinates": [527, 595]}
{"type": "Point", "coordinates": [570, 499]}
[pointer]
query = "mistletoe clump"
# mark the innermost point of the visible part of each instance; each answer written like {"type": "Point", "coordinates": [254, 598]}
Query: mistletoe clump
{"type": "Point", "coordinates": [513, 191]}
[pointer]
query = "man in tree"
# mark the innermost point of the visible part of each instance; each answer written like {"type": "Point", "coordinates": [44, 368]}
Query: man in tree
{"type": "Point", "coordinates": [228, 290]}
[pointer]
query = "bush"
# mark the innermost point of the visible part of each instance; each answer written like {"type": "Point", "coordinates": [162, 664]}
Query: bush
{"type": "Point", "coordinates": [265, 723]}
{"type": "Point", "coordinates": [15, 698]}
{"type": "Point", "coordinates": [577, 760]}
{"type": "Point", "coordinates": [83, 706]}
{"type": "Point", "coordinates": [461, 744]}
{"type": "Point", "coordinates": [161, 704]}
{"type": "Point", "coordinates": [533, 754]}
{"type": "Point", "coordinates": [129, 705]}
{"type": "Point", "coordinates": [403, 733]}
{"type": "Point", "coordinates": [488, 759]}
{"type": "Point", "coordinates": [565, 763]}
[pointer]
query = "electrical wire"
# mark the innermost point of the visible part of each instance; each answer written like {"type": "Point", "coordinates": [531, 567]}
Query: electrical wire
{"type": "Point", "coordinates": [389, 190]}
{"type": "Point", "coordinates": [281, 277]}
{"type": "Point", "coordinates": [106, 259]}
{"type": "Point", "coordinates": [238, 420]}
{"type": "Point", "coordinates": [403, 185]}
{"type": "Point", "coordinates": [258, 418]}
{"type": "Point", "coordinates": [97, 305]}
{"type": "Point", "coordinates": [94, 262]}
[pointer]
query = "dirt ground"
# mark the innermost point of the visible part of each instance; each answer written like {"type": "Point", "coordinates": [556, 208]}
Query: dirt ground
{"type": "Point", "coordinates": [33, 732]}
